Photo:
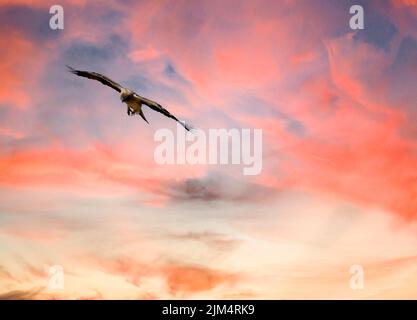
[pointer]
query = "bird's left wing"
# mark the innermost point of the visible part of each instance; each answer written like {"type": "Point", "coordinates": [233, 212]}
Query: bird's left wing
{"type": "Point", "coordinates": [97, 76]}
{"type": "Point", "coordinates": [158, 108]}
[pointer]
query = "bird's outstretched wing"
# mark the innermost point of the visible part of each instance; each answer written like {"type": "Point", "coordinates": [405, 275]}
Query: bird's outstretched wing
{"type": "Point", "coordinates": [158, 108]}
{"type": "Point", "coordinates": [97, 76]}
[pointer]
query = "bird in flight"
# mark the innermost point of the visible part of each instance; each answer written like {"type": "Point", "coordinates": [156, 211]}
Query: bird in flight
{"type": "Point", "coordinates": [133, 101]}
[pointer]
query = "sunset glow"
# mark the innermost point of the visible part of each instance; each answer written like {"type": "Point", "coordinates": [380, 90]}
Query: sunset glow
{"type": "Point", "coordinates": [80, 188]}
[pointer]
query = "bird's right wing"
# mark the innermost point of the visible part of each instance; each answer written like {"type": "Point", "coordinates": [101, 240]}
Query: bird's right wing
{"type": "Point", "coordinates": [158, 108]}
{"type": "Point", "coordinates": [97, 76]}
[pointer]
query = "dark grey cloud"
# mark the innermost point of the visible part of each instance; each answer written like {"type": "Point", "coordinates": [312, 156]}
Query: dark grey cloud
{"type": "Point", "coordinates": [379, 30]}
{"type": "Point", "coordinates": [296, 127]}
{"type": "Point", "coordinates": [218, 187]}
{"type": "Point", "coordinates": [83, 53]}
{"type": "Point", "coordinates": [171, 72]}
{"type": "Point", "coordinates": [402, 77]}
{"type": "Point", "coordinates": [406, 56]}
{"type": "Point", "coordinates": [31, 22]}
{"type": "Point", "coordinates": [93, 14]}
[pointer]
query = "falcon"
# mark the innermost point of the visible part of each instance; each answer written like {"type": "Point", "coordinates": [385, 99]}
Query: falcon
{"type": "Point", "coordinates": [133, 101]}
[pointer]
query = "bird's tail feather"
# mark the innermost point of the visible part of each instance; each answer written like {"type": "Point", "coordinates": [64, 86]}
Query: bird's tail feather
{"type": "Point", "coordinates": [143, 116]}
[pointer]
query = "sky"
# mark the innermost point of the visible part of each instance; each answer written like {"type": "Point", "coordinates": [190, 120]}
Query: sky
{"type": "Point", "coordinates": [79, 186]}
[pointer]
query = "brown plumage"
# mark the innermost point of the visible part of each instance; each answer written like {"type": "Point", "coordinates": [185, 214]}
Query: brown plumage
{"type": "Point", "coordinates": [133, 101]}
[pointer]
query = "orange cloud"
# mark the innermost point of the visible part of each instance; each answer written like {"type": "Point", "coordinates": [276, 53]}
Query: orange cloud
{"type": "Point", "coordinates": [192, 279]}
{"type": "Point", "coordinates": [180, 278]}
{"type": "Point", "coordinates": [57, 166]}
{"type": "Point", "coordinates": [21, 58]}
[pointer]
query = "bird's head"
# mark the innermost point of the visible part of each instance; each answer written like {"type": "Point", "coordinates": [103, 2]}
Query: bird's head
{"type": "Point", "coordinates": [125, 94]}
